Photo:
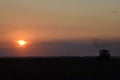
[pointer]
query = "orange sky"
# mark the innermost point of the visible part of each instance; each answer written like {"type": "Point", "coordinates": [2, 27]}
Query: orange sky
{"type": "Point", "coordinates": [59, 20]}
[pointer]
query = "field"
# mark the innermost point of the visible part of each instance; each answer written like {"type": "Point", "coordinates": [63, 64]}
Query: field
{"type": "Point", "coordinates": [59, 68]}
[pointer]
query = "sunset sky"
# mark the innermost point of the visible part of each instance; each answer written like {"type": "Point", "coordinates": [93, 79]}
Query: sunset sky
{"type": "Point", "coordinates": [59, 20]}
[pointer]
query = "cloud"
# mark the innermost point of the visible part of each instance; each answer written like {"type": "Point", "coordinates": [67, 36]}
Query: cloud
{"type": "Point", "coordinates": [62, 48]}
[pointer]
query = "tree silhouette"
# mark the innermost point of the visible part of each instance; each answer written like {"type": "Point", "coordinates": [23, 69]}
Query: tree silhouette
{"type": "Point", "coordinates": [104, 55]}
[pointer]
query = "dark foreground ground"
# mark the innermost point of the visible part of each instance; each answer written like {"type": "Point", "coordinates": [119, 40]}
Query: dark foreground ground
{"type": "Point", "coordinates": [59, 68]}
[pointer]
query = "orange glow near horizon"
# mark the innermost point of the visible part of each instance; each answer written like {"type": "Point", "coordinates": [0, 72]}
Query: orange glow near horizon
{"type": "Point", "coordinates": [21, 42]}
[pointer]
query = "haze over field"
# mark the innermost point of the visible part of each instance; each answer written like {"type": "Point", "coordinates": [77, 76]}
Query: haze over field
{"type": "Point", "coordinates": [59, 27]}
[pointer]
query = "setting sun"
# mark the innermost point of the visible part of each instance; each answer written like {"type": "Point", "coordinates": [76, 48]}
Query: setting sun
{"type": "Point", "coordinates": [21, 42]}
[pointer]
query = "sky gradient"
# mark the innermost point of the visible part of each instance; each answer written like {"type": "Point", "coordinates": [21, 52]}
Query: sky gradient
{"type": "Point", "coordinates": [48, 19]}
{"type": "Point", "coordinates": [40, 21]}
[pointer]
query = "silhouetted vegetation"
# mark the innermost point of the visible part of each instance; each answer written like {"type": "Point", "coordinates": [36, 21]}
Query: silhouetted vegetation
{"type": "Point", "coordinates": [104, 55]}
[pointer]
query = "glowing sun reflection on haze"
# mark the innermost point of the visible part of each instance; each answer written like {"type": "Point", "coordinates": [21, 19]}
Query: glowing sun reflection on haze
{"type": "Point", "coordinates": [21, 42]}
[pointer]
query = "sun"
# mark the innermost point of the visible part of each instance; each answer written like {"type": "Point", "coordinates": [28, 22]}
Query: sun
{"type": "Point", "coordinates": [21, 42]}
